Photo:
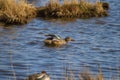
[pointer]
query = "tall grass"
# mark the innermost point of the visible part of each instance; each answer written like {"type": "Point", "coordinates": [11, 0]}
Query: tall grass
{"type": "Point", "coordinates": [86, 74]}
{"type": "Point", "coordinates": [20, 12]}
{"type": "Point", "coordinates": [16, 11]}
{"type": "Point", "coordinates": [73, 8]}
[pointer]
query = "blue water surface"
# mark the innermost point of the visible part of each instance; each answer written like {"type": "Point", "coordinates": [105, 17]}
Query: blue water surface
{"type": "Point", "coordinates": [97, 42]}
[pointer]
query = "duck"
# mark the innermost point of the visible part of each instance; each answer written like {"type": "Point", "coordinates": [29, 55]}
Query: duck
{"type": "Point", "coordinates": [56, 40]}
{"type": "Point", "coordinates": [39, 76]}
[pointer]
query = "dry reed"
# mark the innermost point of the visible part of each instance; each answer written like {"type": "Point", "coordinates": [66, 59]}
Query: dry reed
{"type": "Point", "coordinates": [84, 75]}
{"type": "Point", "coordinates": [73, 8]}
{"type": "Point", "coordinates": [12, 66]}
{"type": "Point", "coordinates": [20, 12]}
{"type": "Point", "coordinates": [16, 11]}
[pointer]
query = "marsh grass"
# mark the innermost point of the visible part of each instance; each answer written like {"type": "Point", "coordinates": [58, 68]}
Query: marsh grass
{"type": "Point", "coordinates": [16, 11]}
{"type": "Point", "coordinates": [86, 74]}
{"type": "Point", "coordinates": [73, 8]}
{"type": "Point", "coordinates": [20, 12]}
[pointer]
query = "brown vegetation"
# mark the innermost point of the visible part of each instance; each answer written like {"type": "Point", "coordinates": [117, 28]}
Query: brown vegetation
{"type": "Point", "coordinates": [84, 75]}
{"type": "Point", "coordinates": [73, 8]}
{"type": "Point", "coordinates": [20, 12]}
{"type": "Point", "coordinates": [16, 11]}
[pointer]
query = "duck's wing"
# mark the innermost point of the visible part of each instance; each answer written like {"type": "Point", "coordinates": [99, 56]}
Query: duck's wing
{"type": "Point", "coordinates": [53, 36]}
{"type": "Point", "coordinates": [57, 37]}
{"type": "Point", "coordinates": [50, 36]}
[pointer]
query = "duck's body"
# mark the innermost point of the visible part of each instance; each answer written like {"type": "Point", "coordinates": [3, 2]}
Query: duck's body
{"type": "Point", "coordinates": [39, 76]}
{"type": "Point", "coordinates": [55, 40]}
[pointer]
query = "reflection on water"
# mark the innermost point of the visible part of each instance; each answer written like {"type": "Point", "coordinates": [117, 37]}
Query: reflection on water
{"type": "Point", "coordinates": [97, 41]}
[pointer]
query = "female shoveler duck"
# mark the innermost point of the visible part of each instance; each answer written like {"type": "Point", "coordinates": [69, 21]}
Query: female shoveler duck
{"type": "Point", "coordinates": [39, 76]}
{"type": "Point", "coordinates": [55, 40]}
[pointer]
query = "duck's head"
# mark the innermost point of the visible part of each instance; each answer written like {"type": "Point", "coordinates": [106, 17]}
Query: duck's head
{"type": "Point", "coordinates": [69, 39]}
{"type": "Point", "coordinates": [44, 72]}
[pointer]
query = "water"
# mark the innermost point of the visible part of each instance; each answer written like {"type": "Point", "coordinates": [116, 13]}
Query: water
{"type": "Point", "coordinates": [97, 41]}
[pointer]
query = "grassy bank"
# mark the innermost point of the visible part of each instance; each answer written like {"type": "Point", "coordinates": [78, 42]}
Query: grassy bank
{"type": "Point", "coordinates": [16, 12]}
{"type": "Point", "coordinates": [73, 8]}
{"type": "Point", "coordinates": [20, 12]}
